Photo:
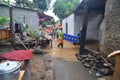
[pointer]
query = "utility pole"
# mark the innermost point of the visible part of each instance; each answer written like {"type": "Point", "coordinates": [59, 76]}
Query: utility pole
{"type": "Point", "coordinates": [84, 28]}
{"type": "Point", "coordinates": [11, 25]}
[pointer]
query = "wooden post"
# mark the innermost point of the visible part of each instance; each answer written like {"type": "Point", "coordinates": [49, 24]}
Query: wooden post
{"type": "Point", "coordinates": [116, 75]}
{"type": "Point", "coordinates": [51, 43]}
{"type": "Point", "coordinates": [11, 25]}
{"type": "Point", "coordinates": [84, 28]}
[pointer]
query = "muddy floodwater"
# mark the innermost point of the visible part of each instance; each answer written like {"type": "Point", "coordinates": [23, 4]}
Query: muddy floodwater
{"type": "Point", "coordinates": [67, 67]}
{"type": "Point", "coordinates": [67, 52]}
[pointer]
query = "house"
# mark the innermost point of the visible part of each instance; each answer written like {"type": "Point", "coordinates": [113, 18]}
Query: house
{"type": "Point", "coordinates": [73, 23]}
{"type": "Point", "coordinates": [23, 15]}
{"type": "Point", "coordinates": [103, 23]}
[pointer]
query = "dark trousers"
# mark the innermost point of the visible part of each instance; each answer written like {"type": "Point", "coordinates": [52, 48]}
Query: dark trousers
{"type": "Point", "coordinates": [60, 44]}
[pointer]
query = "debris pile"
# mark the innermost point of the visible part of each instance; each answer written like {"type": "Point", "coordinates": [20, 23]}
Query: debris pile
{"type": "Point", "coordinates": [96, 62]}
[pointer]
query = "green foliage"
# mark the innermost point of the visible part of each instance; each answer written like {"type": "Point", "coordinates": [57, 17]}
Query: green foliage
{"type": "Point", "coordinates": [42, 5]}
{"type": "Point", "coordinates": [7, 2]}
{"type": "Point", "coordinates": [64, 7]}
{"type": "Point", "coordinates": [44, 23]}
{"type": "Point", "coordinates": [31, 5]}
{"type": "Point", "coordinates": [32, 33]}
{"type": "Point", "coordinates": [25, 3]}
{"type": "Point", "coordinates": [4, 20]}
{"type": "Point", "coordinates": [53, 21]}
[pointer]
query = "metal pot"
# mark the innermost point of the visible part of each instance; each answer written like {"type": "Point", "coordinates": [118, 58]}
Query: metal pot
{"type": "Point", "coordinates": [9, 70]}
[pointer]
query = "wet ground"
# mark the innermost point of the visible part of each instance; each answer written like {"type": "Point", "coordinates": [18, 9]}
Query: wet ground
{"type": "Point", "coordinates": [67, 67]}
{"type": "Point", "coordinates": [37, 67]}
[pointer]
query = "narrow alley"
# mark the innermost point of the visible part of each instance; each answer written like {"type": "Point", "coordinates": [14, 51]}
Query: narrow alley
{"type": "Point", "coordinates": [67, 67]}
{"type": "Point", "coordinates": [59, 39]}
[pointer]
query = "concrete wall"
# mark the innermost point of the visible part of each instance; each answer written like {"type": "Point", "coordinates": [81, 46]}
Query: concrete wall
{"type": "Point", "coordinates": [70, 21]}
{"type": "Point", "coordinates": [111, 40]}
{"type": "Point", "coordinates": [102, 35]}
{"type": "Point", "coordinates": [28, 16]}
{"type": "Point", "coordinates": [78, 22]}
{"type": "Point", "coordinates": [4, 11]}
{"type": "Point", "coordinates": [94, 20]}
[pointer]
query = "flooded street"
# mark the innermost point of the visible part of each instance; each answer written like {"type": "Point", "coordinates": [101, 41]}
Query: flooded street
{"type": "Point", "coordinates": [67, 52]}
{"type": "Point", "coordinates": [67, 67]}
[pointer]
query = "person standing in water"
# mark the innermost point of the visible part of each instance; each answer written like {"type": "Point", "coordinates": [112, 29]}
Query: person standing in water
{"type": "Point", "coordinates": [60, 36]}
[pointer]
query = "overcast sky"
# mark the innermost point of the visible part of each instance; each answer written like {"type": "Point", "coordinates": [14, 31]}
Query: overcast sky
{"type": "Point", "coordinates": [50, 11]}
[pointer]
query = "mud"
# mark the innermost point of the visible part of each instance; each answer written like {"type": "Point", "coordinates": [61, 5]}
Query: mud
{"type": "Point", "coordinates": [37, 67]}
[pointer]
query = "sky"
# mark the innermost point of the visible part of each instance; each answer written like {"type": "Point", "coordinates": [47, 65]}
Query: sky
{"type": "Point", "coordinates": [50, 10]}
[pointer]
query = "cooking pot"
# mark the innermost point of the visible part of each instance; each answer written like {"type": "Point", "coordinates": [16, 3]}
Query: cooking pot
{"type": "Point", "coordinates": [9, 70]}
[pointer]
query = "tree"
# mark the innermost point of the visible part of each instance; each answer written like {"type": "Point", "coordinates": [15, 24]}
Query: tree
{"type": "Point", "coordinates": [3, 20]}
{"type": "Point", "coordinates": [53, 22]}
{"type": "Point", "coordinates": [64, 7]}
{"type": "Point", "coordinates": [42, 5]}
{"type": "Point", "coordinates": [22, 3]}
{"type": "Point", "coordinates": [7, 2]}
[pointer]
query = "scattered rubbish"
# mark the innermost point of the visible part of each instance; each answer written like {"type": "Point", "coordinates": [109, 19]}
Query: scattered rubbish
{"type": "Point", "coordinates": [95, 61]}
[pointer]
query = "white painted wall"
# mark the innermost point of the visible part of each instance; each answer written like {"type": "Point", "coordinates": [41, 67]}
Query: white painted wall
{"type": "Point", "coordinates": [70, 21]}
{"type": "Point", "coordinates": [64, 25]}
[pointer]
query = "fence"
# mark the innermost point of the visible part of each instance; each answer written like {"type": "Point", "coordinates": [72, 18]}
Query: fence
{"type": "Point", "coordinates": [71, 38]}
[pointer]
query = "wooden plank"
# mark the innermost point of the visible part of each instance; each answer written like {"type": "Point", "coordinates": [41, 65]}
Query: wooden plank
{"type": "Point", "coordinates": [21, 42]}
{"type": "Point", "coordinates": [116, 75]}
{"type": "Point", "coordinates": [21, 75]}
